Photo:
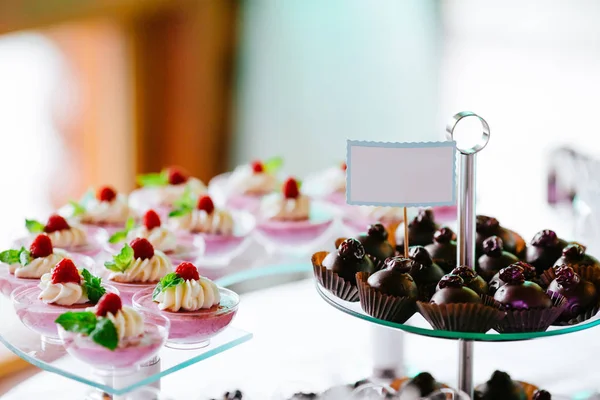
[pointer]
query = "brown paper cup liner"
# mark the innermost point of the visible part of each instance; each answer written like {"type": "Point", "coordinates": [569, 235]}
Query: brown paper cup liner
{"type": "Point", "coordinates": [529, 389]}
{"type": "Point", "coordinates": [534, 319]}
{"type": "Point", "coordinates": [339, 241]}
{"type": "Point", "coordinates": [331, 281]}
{"type": "Point", "coordinates": [399, 382]}
{"type": "Point", "coordinates": [463, 317]}
{"type": "Point", "coordinates": [381, 306]}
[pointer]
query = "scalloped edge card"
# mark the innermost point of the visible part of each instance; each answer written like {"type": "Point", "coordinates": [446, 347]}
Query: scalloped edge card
{"type": "Point", "coordinates": [420, 174]}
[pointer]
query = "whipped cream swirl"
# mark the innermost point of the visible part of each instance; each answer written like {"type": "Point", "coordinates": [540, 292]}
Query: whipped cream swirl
{"type": "Point", "coordinates": [67, 238]}
{"type": "Point", "coordinates": [278, 207]}
{"type": "Point", "coordinates": [243, 180]}
{"type": "Point", "coordinates": [190, 295]}
{"type": "Point", "coordinates": [147, 270]}
{"type": "Point", "coordinates": [160, 237]}
{"type": "Point", "coordinates": [219, 222]}
{"type": "Point", "coordinates": [382, 213]}
{"type": "Point", "coordinates": [38, 266]}
{"type": "Point", "coordinates": [63, 294]}
{"type": "Point", "coordinates": [169, 193]}
{"type": "Point", "coordinates": [114, 212]}
{"type": "Point", "coordinates": [128, 322]}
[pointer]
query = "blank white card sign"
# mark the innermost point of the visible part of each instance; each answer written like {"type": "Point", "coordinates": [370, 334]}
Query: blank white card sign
{"type": "Point", "coordinates": [401, 174]}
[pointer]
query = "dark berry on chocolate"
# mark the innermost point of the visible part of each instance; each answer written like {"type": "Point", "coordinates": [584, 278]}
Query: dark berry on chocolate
{"type": "Point", "coordinates": [545, 238]}
{"type": "Point", "coordinates": [542, 395]}
{"type": "Point", "coordinates": [425, 382]}
{"type": "Point", "coordinates": [566, 276]}
{"type": "Point", "coordinates": [420, 255]}
{"type": "Point", "coordinates": [574, 252]}
{"type": "Point", "coordinates": [528, 270]}
{"type": "Point", "coordinates": [493, 246]}
{"type": "Point", "coordinates": [467, 274]}
{"type": "Point", "coordinates": [399, 264]}
{"type": "Point", "coordinates": [444, 235]}
{"type": "Point", "coordinates": [451, 281]}
{"type": "Point", "coordinates": [378, 231]}
{"type": "Point", "coordinates": [512, 275]}
{"type": "Point", "coordinates": [351, 248]}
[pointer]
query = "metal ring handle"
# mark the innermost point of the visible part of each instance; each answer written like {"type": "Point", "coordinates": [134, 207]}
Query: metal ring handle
{"type": "Point", "coordinates": [485, 134]}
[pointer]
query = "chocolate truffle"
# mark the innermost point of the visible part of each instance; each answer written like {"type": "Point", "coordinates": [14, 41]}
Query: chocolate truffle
{"type": "Point", "coordinates": [574, 254]}
{"type": "Point", "coordinates": [489, 226]}
{"type": "Point", "coordinates": [542, 395]}
{"type": "Point", "coordinates": [494, 258]}
{"type": "Point", "coordinates": [423, 384]}
{"type": "Point", "coordinates": [500, 387]}
{"type": "Point", "coordinates": [581, 295]}
{"type": "Point", "coordinates": [376, 244]}
{"type": "Point", "coordinates": [471, 279]}
{"type": "Point", "coordinates": [519, 294]}
{"type": "Point", "coordinates": [425, 272]}
{"type": "Point", "coordinates": [452, 289]}
{"type": "Point", "coordinates": [420, 230]}
{"type": "Point", "coordinates": [349, 259]}
{"type": "Point", "coordinates": [443, 249]}
{"type": "Point", "coordinates": [528, 270]}
{"type": "Point", "coordinates": [394, 279]}
{"type": "Point", "coordinates": [544, 250]}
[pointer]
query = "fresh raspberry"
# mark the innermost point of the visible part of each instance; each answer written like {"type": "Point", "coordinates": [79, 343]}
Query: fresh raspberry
{"type": "Point", "coordinates": [109, 303]}
{"type": "Point", "coordinates": [142, 248]}
{"type": "Point", "coordinates": [56, 223]}
{"type": "Point", "coordinates": [290, 189]}
{"type": "Point", "coordinates": [344, 166]}
{"type": "Point", "coordinates": [151, 220]}
{"type": "Point", "coordinates": [41, 247]}
{"type": "Point", "coordinates": [177, 175]}
{"type": "Point", "coordinates": [106, 193]}
{"type": "Point", "coordinates": [187, 271]}
{"type": "Point", "coordinates": [257, 167]}
{"type": "Point", "coordinates": [205, 203]}
{"type": "Point", "coordinates": [65, 271]}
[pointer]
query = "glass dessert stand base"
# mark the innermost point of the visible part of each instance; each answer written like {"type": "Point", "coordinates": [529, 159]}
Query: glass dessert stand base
{"type": "Point", "coordinates": [54, 358]}
{"type": "Point", "coordinates": [418, 325]}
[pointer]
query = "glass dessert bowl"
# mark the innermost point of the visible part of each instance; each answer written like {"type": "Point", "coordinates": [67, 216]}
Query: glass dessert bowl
{"type": "Point", "coordinates": [112, 338]}
{"type": "Point", "coordinates": [196, 308]}
{"type": "Point", "coordinates": [38, 306]}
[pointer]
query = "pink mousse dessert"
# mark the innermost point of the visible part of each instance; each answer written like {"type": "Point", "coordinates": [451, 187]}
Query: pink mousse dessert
{"type": "Point", "coordinates": [195, 306]}
{"type": "Point", "coordinates": [328, 185]}
{"type": "Point", "coordinates": [68, 236]}
{"type": "Point", "coordinates": [64, 288]}
{"type": "Point", "coordinates": [161, 237]}
{"type": "Point", "coordinates": [222, 233]}
{"type": "Point", "coordinates": [136, 267]}
{"type": "Point", "coordinates": [161, 190]}
{"type": "Point", "coordinates": [112, 336]}
{"type": "Point", "coordinates": [291, 218]}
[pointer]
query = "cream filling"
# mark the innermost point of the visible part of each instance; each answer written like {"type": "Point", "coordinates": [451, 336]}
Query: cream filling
{"type": "Point", "coordinates": [104, 212]}
{"type": "Point", "coordinates": [38, 266]}
{"type": "Point", "coordinates": [72, 237]}
{"type": "Point", "coordinates": [169, 193]}
{"type": "Point", "coordinates": [381, 213]}
{"type": "Point", "coordinates": [219, 222]}
{"type": "Point", "coordinates": [243, 180]}
{"type": "Point", "coordinates": [63, 294]}
{"type": "Point", "coordinates": [128, 322]}
{"type": "Point", "coordinates": [160, 237]}
{"type": "Point", "coordinates": [277, 207]}
{"type": "Point", "coordinates": [144, 271]}
{"type": "Point", "coordinates": [189, 296]}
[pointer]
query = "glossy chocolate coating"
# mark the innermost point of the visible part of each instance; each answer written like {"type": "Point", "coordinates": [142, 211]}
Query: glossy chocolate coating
{"type": "Point", "coordinates": [423, 383]}
{"type": "Point", "coordinates": [500, 387]}
{"type": "Point", "coordinates": [489, 226]}
{"type": "Point", "coordinates": [426, 273]}
{"type": "Point", "coordinates": [528, 271]}
{"type": "Point", "coordinates": [544, 250]}
{"type": "Point", "coordinates": [519, 294]}
{"type": "Point", "coordinates": [581, 295]}
{"type": "Point", "coordinates": [471, 279]}
{"type": "Point", "coordinates": [494, 258]}
{"type": "Point", "coordinates": [394, 279]}
{"type": "Point", "coordinates": [451, 289]}
{"type": "Point", "coordinates": [542, 395]}
{"type": "Point", "coordinates": [376, 244]}
{"type": "Point", "coordinates": [349, 259]}
{"type": "Point", "coordinates": [574, 254]}
{"type": "Point", "coordinates": [443, 249]}
{"type": "Point", "coordinates": [420, 230]}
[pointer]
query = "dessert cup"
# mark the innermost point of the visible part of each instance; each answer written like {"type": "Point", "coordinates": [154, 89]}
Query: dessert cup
{"type": "Point", "coordinates": [297, 237]}
{"type": "Point", "coordinates": [103, 230]}
{"type": "Point", "coordinates": [146, 198]}
{"type": "Point", "coordinates": [9, 282]}
{"type": "Point", "coordinates": [222, 196]}
{"type": "Point", "coordinates": [192, 329]}
{"type": "Point", "coordinates": [96, 238]}
{"type": "Point", "coordinates": [130, 353]}
{"type": "Point", "coordinates": [39, 316]}
{"type": "Point", "coordinates": [187, 249]}
{"type": "Point", "coordinates": [217, 250]}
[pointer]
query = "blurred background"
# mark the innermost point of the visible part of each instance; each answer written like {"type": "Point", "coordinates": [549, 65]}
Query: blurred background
{"type": "Point", "coordinates": [97, 91]}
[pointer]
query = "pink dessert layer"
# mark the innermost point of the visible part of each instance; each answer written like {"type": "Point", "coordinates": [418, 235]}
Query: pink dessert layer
{"type": "Point", "coordinates": [293, 232]}
{"type": "Point", "coordinates": [9, 282]}
{"type": "Point", "coordinates": [130, 353]}
{"type": "Point", "coordinates": [250, 203]}
{"type": "Point", "coordinates": [41, 320]}
{"type": "Point", "coordinates": [91, 249]}
{"type": "Point", "coordinates": [128, 290]}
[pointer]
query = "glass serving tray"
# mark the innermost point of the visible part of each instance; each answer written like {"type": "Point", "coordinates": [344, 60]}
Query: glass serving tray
{"type": "Point", "coordinates": [418, 325]}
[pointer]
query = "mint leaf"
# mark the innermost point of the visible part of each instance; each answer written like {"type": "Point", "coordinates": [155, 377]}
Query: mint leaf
{"type": "Point", "coordinates": [121, 261]}
{"type": "Point", "coordinates": [299, 184]}
{"type": "Point", "coordinates": [180, 211]}
{"type": "Point", "coordinates": [105, 334]}
{"type": "Point", "coordinates": [130, 224]}
{"type": "Point", "coordinates": [118, 237]}
{"type": "Point", "coordinates": [93, 286]}
{"type": "Point", "coordinates": [78, 322]}
{"type": "Point", "coordinates": [166, 282]}
{"type": "Point", "coordinates": [272, 165]}
{"type": "Point", "coordinates": [11, 256]}
{"type": "Point", "coordinates": [34, 226]}
{"type": "Point", "coordinates": [153, 179]}
{"type": "Point", "coordinates": [78, 209]}
{"type": "Point", "coordinates": [186, 200]}
{"type": "Point", "coordinates": [24, 256]}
